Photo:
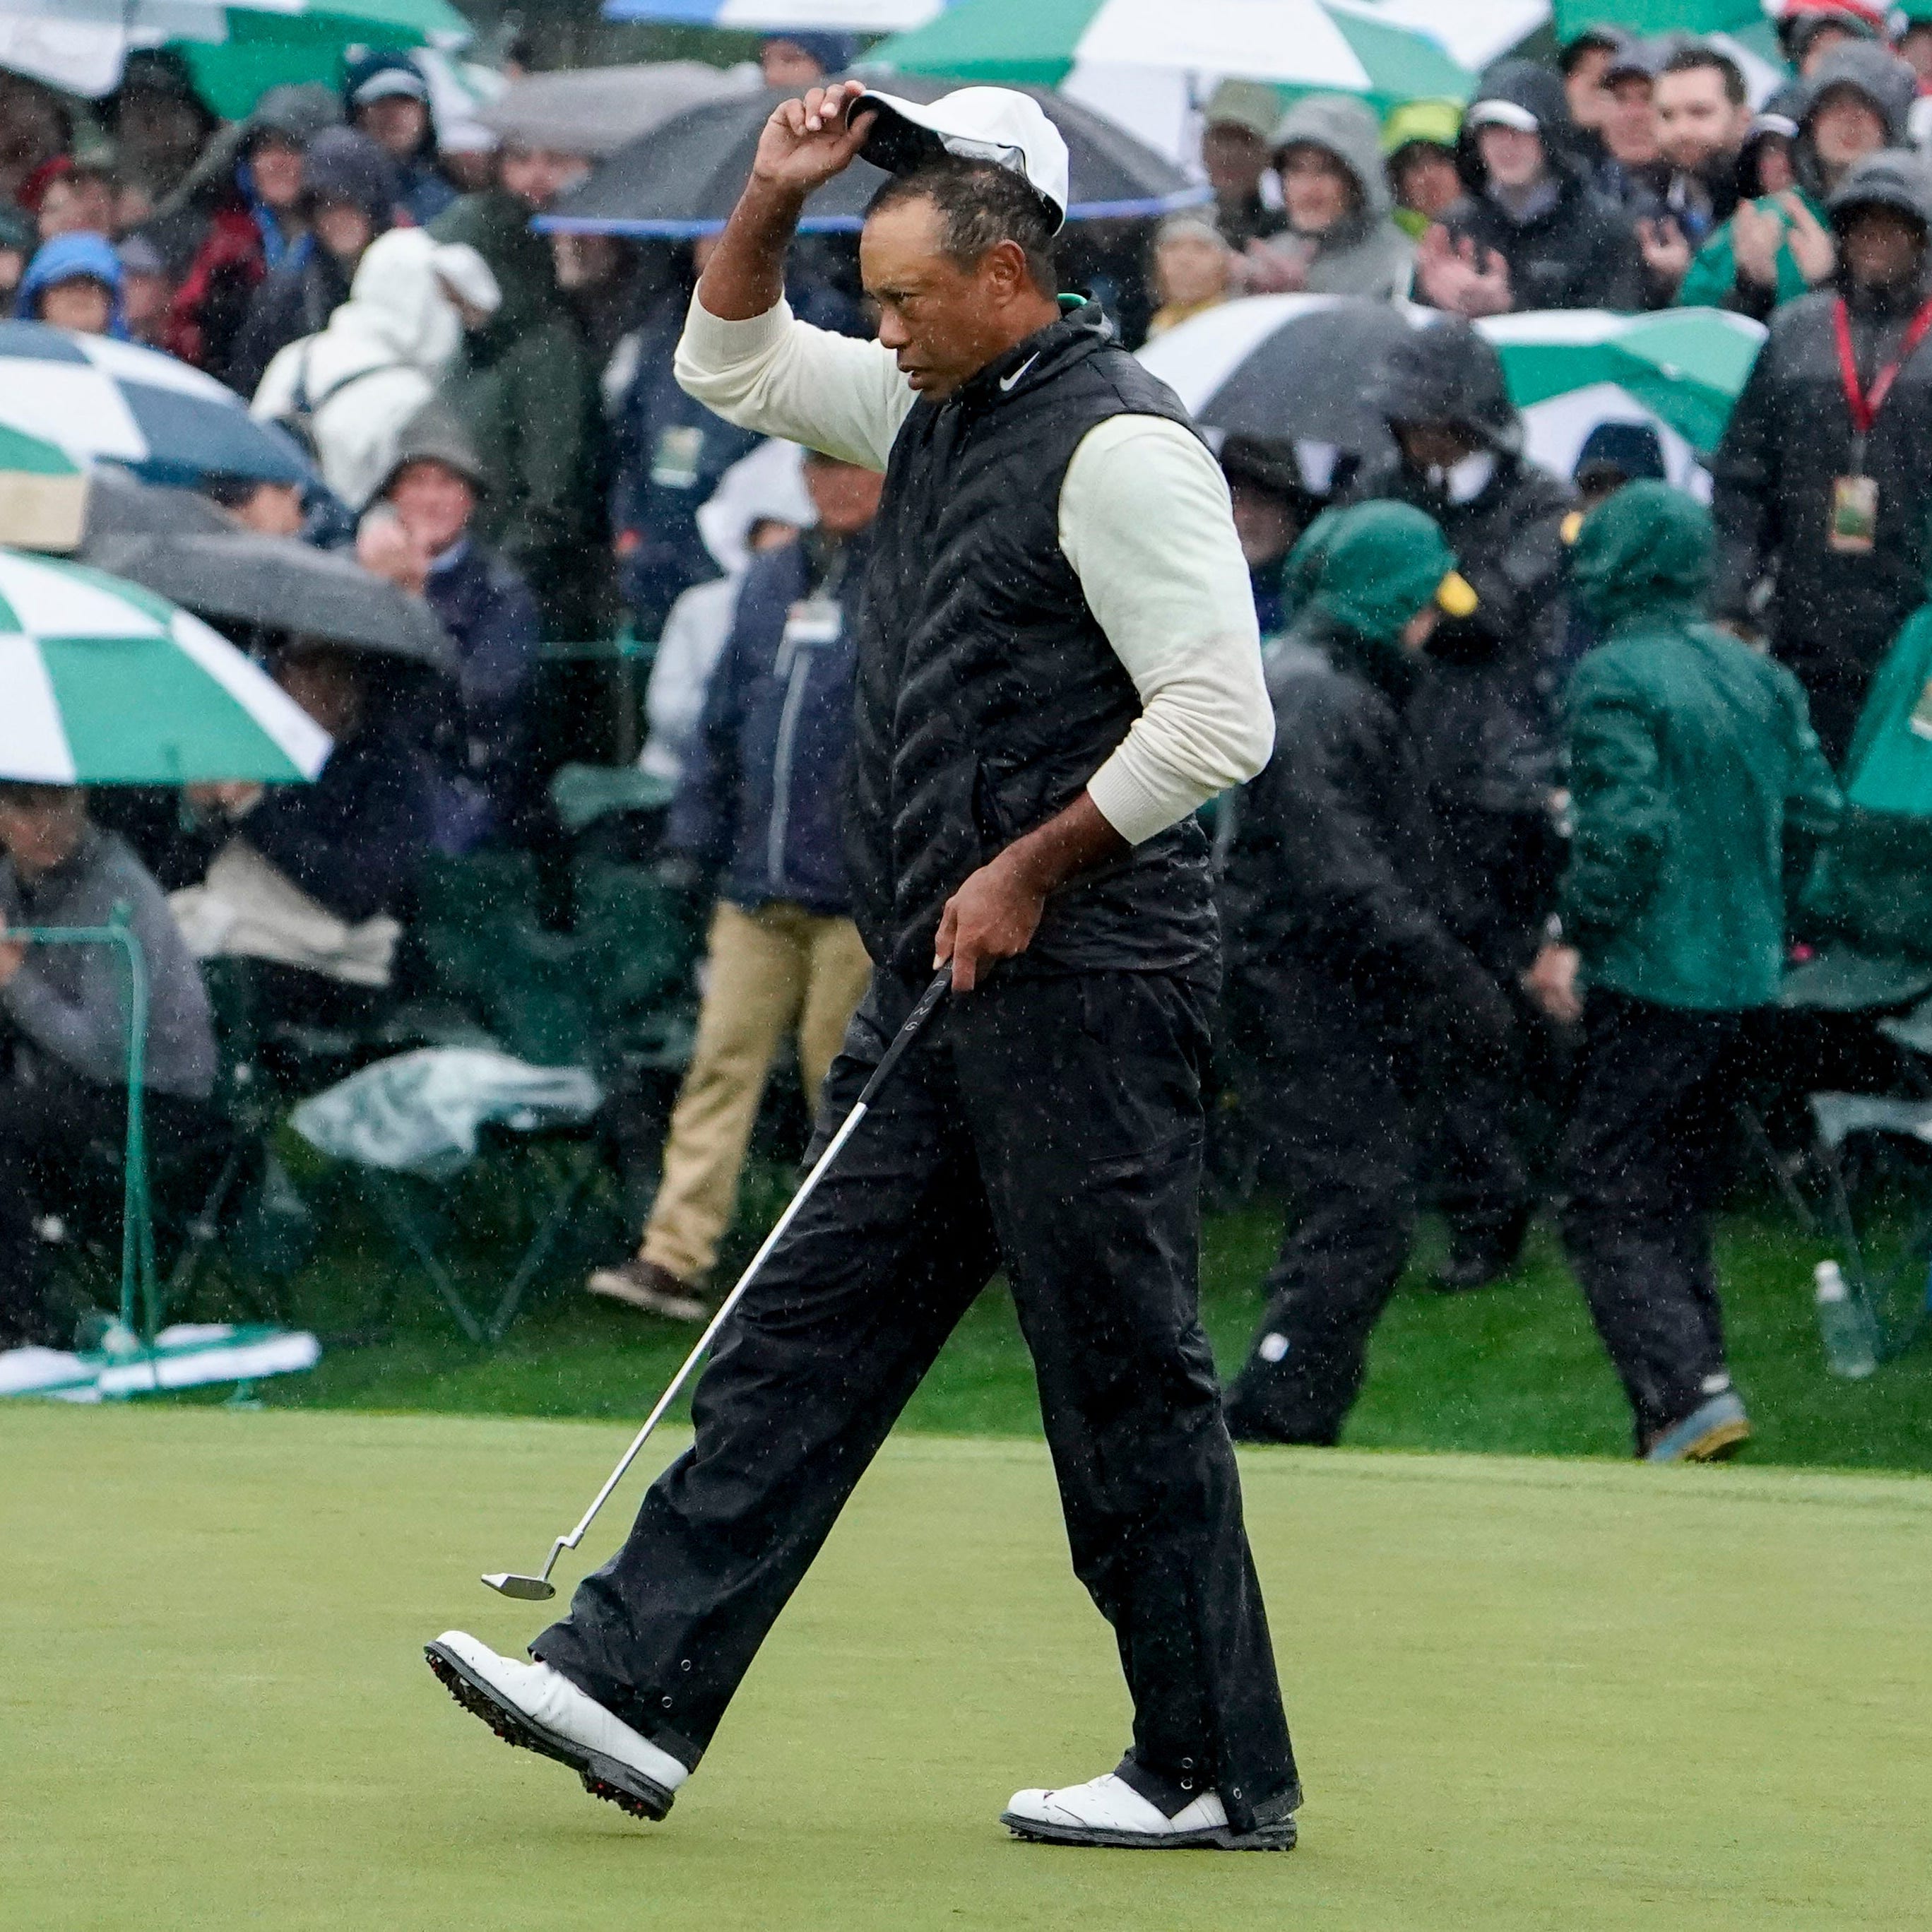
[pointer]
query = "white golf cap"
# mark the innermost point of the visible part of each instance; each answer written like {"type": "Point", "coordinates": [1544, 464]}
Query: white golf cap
{"type": "Point", "coordinates": [1502, 114]}
{"type": "Point", "coordinates": [976, 124]}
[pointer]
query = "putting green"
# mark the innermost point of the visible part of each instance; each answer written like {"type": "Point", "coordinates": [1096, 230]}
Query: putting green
{"type": "Point", "coordinates": [1525, 1694]}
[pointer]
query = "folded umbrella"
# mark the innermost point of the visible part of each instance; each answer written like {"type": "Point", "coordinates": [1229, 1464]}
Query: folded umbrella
{"type": "Point", "coordinates": [281, 584]}
{"type": "Point", "coordinates": [96, 398]}
{"type": "Point", "coordinates": [596, 110]}
{"type": "Point", "coordinates": [684, 178]}
{"type": "Point", "coordinates": [107, 684]}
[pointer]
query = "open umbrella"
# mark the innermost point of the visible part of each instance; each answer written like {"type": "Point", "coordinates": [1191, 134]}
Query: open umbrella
{"type": "Point", "coordinates": [684, 178]}
{"type": "Point", "coordinates": [107, 684]}
{"type": "Point", "coordinates": [241, 578]}
{"type": "Point", "coordinates": [1301, 44]}
{"type": "Point", "coordinates": [849, 16]}
{"type": "Point", "coordinates": [95, 397]}
{"type": "Point", "coordinates": [596, 110]}
{"type": "Point", "coordinates": [235, 48]}
{"type": "Point", "coordinates": [43, 493]}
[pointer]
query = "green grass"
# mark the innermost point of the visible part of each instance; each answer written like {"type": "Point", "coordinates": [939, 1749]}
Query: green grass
{"type": "Point", "coordinates": [1526, 1694]}
{"type": "Point", "coordinates": [1516, 1369]}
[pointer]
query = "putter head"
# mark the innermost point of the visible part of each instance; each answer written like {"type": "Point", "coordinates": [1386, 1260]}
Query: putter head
{"type": "Point", "coordinates": [508, 1583]}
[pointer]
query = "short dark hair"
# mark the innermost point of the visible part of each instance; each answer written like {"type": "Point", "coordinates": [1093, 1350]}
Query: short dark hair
{"type": "Point", "coordinates": [980, 205]}
{"type": "Point", "coordinates": [1695, 59]}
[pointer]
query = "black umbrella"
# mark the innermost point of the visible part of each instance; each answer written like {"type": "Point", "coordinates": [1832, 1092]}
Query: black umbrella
{"type": "Point", "coordinates": [683, 179]}
{"type": "Point", "coordinates": [1285, 368]}
{"type": "Point", "coordinates": [596, 110]}
{"type": "Point", "coordinates": [282, 585]}
{"type": "Point", "coordinates": [120, 506]}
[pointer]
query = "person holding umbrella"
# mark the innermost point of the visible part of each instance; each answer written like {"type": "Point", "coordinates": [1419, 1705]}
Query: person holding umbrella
{"type": "Point", "coordinates": [1057, 663]}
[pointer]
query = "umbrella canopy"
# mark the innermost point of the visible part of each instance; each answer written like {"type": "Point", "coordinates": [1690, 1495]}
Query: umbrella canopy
{"type": "Point", "coordinates": [121, 506]}
{"type": "Point", "coordinates": [596, 110]}
{"type": "Point", "coordinates": [107, 684]}
{"type": "Point", "coordinates": [684, 179]}
{"type": "Point", "coordinates": [43, 493]}
{"type": "Point", "coordinates": [235, 48]}
{"type": "Point", "coordinates": [1302, 44]}
{"type": "Point", "coordinates": [97, 398]}
{"type": "Point", "coordinates": [1280, 368]}
{"type": "Point", "coordinates": [1654, 17]}
{"type": "Point", "coordinates": [241, 578]}
{"type": "Point", "coordinates": [850, 16]}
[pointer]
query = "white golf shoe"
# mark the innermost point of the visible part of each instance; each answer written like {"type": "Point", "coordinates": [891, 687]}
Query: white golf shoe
{"type": "Point", "coordinates": [1108, 1810]}
{"type": "Point", "coordinates": [532, 1705]}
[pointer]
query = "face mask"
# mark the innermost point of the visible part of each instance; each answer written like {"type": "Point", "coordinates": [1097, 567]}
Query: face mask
{"type": "Point", "coordinates": [1467, 480]}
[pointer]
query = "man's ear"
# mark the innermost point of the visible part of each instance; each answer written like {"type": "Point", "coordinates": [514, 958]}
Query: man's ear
{"type": "Point", "coordinates": [1005, 265]}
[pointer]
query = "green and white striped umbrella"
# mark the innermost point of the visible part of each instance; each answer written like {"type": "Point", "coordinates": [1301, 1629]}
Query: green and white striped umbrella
{"type": "Point", "coordinates": [107, 684]}
{"type": "Point", "coordinates": [1301, 45]}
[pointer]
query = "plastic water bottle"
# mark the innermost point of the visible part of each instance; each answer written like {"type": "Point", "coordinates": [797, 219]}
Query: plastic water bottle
{"type": "Point", "coordinates": [1845, 1324]}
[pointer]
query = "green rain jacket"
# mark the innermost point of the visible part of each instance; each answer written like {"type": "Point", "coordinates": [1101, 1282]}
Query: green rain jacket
{"type": "Point", "coordinates": [1711, 282]}
{"type": "Point", "coordinates": [1694, 772]}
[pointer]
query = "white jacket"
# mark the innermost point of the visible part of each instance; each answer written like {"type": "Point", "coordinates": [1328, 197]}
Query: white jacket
{"type": "Point", "coordinates": [364, 376]}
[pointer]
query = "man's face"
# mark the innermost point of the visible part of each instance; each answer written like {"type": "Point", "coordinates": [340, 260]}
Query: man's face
{"type": "Point", "coordinates": [277, 167]}
{"type": "Point", "coordinates": [344, 230]}
{"type": "Point", "coordinates": [274, 509]}
{"type": "Point", "coordinates": [1915, 46]}
{"type": "Point", "coordinates": [1434, 446]}
{"type": "Point", "coordinates": [433, 503]}
{"type": "Point", "coordinates": [83, 304]}
{"type": "Point", "coordinates": [536, 176]}
{"type": "Point", "coordinates": [75, 204]}
{"type": "Point", "coordinates": [1234, 158]}
{"type": "Point", "coordinates": [157, 132]}
{"type": "Point", "coordinates": [1883, 247]}
{"type": "Point", "coordinates": [40, 825]}
{"type": "Point", "coordinates": [1262, 521]}
{"type": "Point", "coordinates": [786, 63]}
{"type": "Point", "coordinates": [944, 323]}
{"type": "Point", "coordinates": [845, 496]}
{"type": "Point", "coordinates": [1629, 127]}
{"type": "Point", "coordinates": [1845, 127]}
{"type": "Point", "coordinates": [1426, 180]}
{"type": "Point", "coordinates": [1697, 121]}
{"type": "Point", "coordinates": [1513, 157]}
{"type": "Point", "coordinates": [1317, 191]}
{"type": "Point", "coordinates": [1583, 86]}
{"type": "Point", "coordinates": [397, 123]}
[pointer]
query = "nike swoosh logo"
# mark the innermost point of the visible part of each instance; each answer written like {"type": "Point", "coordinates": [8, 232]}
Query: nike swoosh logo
{"type": "Point", "coordinates": [1007, 382]}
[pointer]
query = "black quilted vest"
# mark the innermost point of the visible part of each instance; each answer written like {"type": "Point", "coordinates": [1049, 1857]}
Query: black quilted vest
{"type": "Point", "coordinates": [987, 694]}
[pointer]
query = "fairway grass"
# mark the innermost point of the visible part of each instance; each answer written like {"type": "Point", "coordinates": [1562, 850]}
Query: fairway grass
{"type": "Point", "coordinates": [1560, 1695]}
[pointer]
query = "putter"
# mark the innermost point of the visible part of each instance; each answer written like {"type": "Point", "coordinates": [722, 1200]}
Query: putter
{"type": "Point", "coordinates": [512, 1583]}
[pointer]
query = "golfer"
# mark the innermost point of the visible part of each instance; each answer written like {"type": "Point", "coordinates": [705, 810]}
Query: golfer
{"type": "Point", "coordinates": [1057, 663]}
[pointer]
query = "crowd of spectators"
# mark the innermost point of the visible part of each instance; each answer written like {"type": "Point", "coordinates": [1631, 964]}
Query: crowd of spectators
{"type": "Point", "coordinates": [496, 415]}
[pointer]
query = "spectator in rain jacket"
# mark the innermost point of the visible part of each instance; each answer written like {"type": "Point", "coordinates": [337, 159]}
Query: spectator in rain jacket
{"type": "Point", "coordinates": [1341, 966]}
{"type": "Point", "coordinates": [385, 96]}
{"type": "Point", "coordinates": [350, 391]}
{"type": "Point", "coordinates": [349, 198]}
{"type": "Point", "coordinates": [246, 199]}
{"type": "Point", "coordinates": [1697, 784]}
{"type": "Point", "coordinates": [1778, 246]}
{"type": "Point", "coordinates": [1484, 723]}
{"type": "Point", "coordinates": [1419, 142]}
{"type": "Point", "coordinates": [74, 282]}
{"type": "Point", "coordinates": [522, 386]}
{"type": "Point", "coordinates": [1530, 232]}
{"type": "Point", "coordinates": [1846, 575]}
{"type": "Point", "coordinates": [1341, 237]}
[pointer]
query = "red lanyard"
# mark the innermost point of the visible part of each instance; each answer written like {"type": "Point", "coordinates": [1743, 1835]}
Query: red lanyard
{"type": "Point", "coordinates": [1864, 408]}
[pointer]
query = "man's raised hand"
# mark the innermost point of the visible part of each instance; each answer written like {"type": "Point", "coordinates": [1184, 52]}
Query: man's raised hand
{"type": "Point", "coordinates": [806, 142]}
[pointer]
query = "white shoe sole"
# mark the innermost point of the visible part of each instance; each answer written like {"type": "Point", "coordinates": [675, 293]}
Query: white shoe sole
{"type": "Point", "coordinates": [1216, 1838]}
{"type": "Point", "coordinates": [615, 1286]}
{"type": "Point", "coordinates": [606, 1777]}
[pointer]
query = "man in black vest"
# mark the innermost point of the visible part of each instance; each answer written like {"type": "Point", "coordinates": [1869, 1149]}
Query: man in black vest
{"type": "Point", "coordinates": [1057, 663]}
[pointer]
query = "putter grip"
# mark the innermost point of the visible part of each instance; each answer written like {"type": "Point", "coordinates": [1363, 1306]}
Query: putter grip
{"type": "Point", "coordinates": [915, 1024]}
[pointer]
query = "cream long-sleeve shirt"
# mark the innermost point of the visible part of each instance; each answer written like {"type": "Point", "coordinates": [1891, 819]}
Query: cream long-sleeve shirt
{"type": "Point", "coordinates": [1144, 519]}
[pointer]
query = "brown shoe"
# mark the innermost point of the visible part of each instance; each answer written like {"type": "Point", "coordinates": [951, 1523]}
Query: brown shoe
{"type": "Point", "coordinates": [642, 1284]}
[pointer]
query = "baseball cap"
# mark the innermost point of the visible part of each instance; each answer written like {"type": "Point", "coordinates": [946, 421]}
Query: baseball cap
{"type": "Point", "coordinates": [975, 123]}
{"type": "Point", "coordinates": [1251, 104]}
{"type": "Point", "coordinates": [1502, 114]}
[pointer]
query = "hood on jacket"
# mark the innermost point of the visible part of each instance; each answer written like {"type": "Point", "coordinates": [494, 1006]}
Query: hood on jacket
{"type": "Point", "coordinates": [1444, 372]}
{"type": "Point", "coordinates": [297, 113]}
{"type": "Point", "coordinates": [1343, 128]}
{"type": "Point", "coordinates": [1892, 177]}
{"type": "Point", "coordinates": [395, 308]}
{"type": "Point", "coordinates": [1370, 568]}
{"type": "Point", "coordinates": [1874, 72]}
{"type": "Point", "coordinates": [1646, 551]}
{"type": "Point", "coordinates": [1539, 92]}
{"type": "Point", "coordinates": [68, 258]}
{"type": "Point", "coordinates": [343, 166]}
{"type": "Point", "coordinates": [434, 435]}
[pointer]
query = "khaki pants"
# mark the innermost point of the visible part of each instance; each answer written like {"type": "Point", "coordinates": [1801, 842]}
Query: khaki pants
{"type": "Point", "coordinates": [776, 971]}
